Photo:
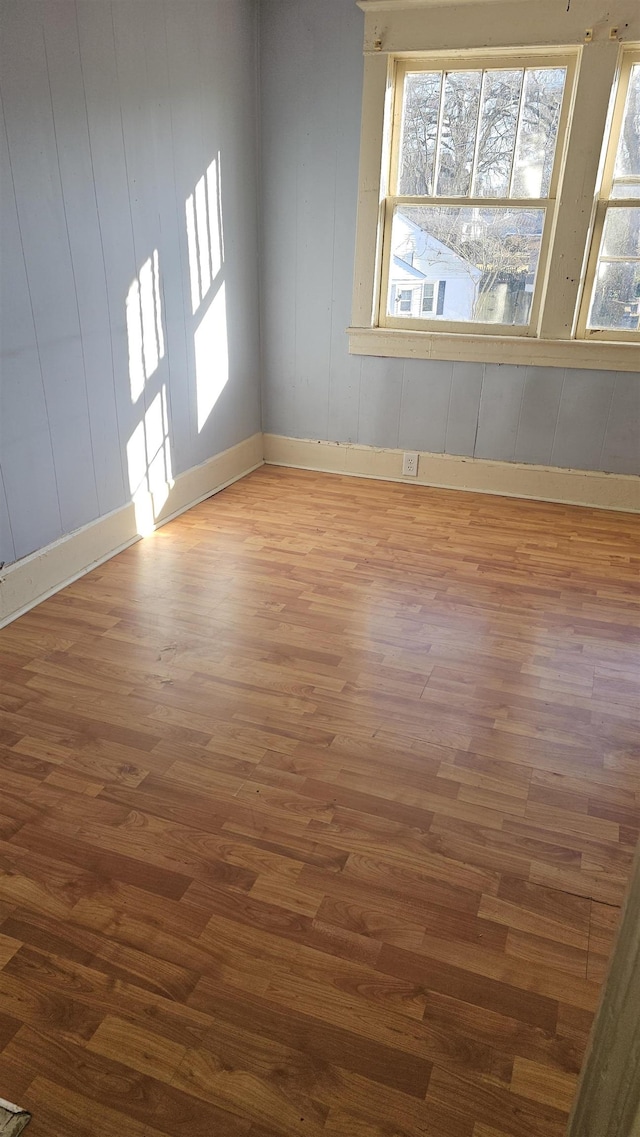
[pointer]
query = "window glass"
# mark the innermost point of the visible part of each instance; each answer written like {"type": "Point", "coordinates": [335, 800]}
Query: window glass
{"type": "Point", "coordinates": [421, 108]}
{"type": "Point", "coordinates": [616, 292]}
{"type": "Point", "coordinates": [485, 260]}
{"type": "Point", "coordinates": [537, 131]}
{"type": "Point", "coordinates": [480, 133]}
{"type": "Point", "coordinates": [626, 174]}
{"type": "Point", "coordinates": [497, 133]}
{"type": "Point", "coordinates": [457, 133]}
{"type": "Point", "coordinates": [616, 296]}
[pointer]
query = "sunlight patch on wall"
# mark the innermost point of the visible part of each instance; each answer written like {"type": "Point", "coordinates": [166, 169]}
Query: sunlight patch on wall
{"type": "Point", "coordinates": [144, 326]}
{"type": "Point", "coordinates": [204, 233]}
{"type": "Point", "coordinates": [149, 462]}
{"type": "Point", "coordinates": [212, 356]}
{"type": "Point", "coordinates": [203, 210]}
{"type": "Point", "coordinates": [149, 447]}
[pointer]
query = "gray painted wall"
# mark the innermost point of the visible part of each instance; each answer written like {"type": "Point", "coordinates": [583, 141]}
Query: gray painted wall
{"type": "Point", "coordinates": [311, 75]}
{"type": "Point", "coordinates": [112, 112]}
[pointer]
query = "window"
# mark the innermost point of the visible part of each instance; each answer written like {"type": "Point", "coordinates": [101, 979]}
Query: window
{"type": "Point", "coordinates": [484, 195]}
{"type": "Point", "coordinates": [474, 172]}
{"type": "Point", "coordinates": [612, 297]}
{"type": "Point", "coordinates": [428, 291]}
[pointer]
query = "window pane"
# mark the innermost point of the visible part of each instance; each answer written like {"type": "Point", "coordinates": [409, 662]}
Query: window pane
{"type": "Point", "coordinates": [628, 155]}
{"type": "Point", "coordinates": [427, 297]}
{"type": "Point", "coordinates": [537, 131]}
{"type": "Point", "coordinates": [420, 110]}
{"type": "Point", "coordinates": [497, 133]}
{"type": "Point", "coordinates": [621, 234]}
{"type": "Point", "coordinates": [628, 188]}
{"type": "Point", "coordinates": [483, 260]}
{"type": "Point", "coordinates": [461, 100]}
{"type": "Point", "coordinates": [616, 296]}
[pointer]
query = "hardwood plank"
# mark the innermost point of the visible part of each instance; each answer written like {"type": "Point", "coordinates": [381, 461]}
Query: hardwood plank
{"type": "Point", "coordinates": [57, 1110]}
{"type": "Point", "coordinates": [511, 1035]}
{"type": "Point", "coordinates": [54, 975]}
{"type": "Point", "coordinates": [141, 1049]}
{"type": "Point", "coordinates": [339, 1044]}
{"type": "Point", "coordinates": [460, 983]}
{"type": "Point", "coordinates": [146, 1100]}
{"type": "Point", "coordinates": [117, 961]}
{"type": "Point", "coordinates": [516, 1115]}
{"type": "Point", "coordinates": [602, 932]}
{"type": "Point", "coordinates": [540, 1083]}
{"type": "Point", "coordinates": [537, 949]}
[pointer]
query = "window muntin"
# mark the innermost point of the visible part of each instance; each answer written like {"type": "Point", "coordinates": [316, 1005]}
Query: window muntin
{"type": "Point", "coordinates": [473, 174]}
{"type": "Point", "coordinates": [611, 303]}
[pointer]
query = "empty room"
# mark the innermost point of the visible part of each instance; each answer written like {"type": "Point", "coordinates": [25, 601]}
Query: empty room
{"type": "Point", "coordinates": [320, 568]}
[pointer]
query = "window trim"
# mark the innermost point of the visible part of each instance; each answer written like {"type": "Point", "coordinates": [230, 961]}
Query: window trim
{"type": "Point", "coordinates": [418, 28]}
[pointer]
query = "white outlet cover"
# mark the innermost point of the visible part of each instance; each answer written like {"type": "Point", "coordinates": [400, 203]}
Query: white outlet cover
{"type": "Point", "coordinates": [410, 464]}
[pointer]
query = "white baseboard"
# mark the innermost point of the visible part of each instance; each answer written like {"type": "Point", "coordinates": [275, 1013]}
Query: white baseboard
{"type": "Point", "coordinates": [34, 578]}
{"type": "Point", "coordinates": [450, 471]}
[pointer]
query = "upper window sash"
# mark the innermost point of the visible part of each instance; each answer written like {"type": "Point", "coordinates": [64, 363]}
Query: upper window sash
{"type": "Point", "coordinates": [481, 63]}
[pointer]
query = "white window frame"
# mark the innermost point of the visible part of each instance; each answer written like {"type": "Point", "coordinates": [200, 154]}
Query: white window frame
{"type": "Point", "coordinates": [434, 285]}
{"type": "Point", "coordinates": [399, 295]}
{"type": "Point", "coordinates": [413, 29]}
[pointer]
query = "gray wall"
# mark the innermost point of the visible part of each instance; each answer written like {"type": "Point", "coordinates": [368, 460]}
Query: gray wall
{"type": "Point", "coordinates": [311, 75]}
{"type": "Point", "coordinates": [112, 113]}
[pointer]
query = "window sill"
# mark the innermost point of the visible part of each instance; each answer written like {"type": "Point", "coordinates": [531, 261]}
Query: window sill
{"type": "Point", "coordinates": [601, 355]}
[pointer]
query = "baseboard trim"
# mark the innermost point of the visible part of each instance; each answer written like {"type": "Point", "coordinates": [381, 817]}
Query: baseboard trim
{"type": "Point", "coordinates": [449, 471]}
{"type": "Point", "coordinates": [43, 573]}
{"type": "Point", "coordinates": [31, 580]}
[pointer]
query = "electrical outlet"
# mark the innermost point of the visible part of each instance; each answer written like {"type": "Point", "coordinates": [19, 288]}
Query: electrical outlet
{"type": "Point", "coordinates": [410, 464]}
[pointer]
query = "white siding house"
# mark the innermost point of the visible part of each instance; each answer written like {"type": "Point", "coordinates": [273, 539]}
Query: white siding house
{"type": "Point", "coordinates": [427, 279]}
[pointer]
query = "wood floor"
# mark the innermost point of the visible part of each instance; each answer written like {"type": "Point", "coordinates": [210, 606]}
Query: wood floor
{"type": "Point", "coordinates": [317, 810]}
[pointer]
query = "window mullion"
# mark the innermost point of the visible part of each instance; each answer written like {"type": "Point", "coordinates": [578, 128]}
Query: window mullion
{"type": "Point", "coordinates": [476, 148]}
{"type": "Point", "coordinates": [576, 195]}
{"type": "Point", "coordinates": [516, 140]}
{"type": "Point", "coordinates": [438, 153]}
